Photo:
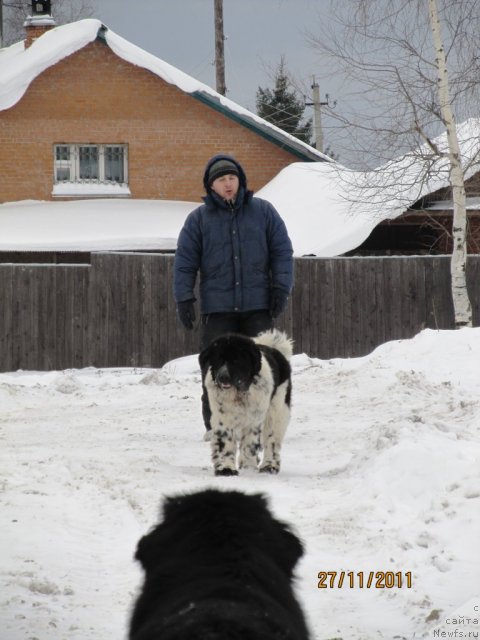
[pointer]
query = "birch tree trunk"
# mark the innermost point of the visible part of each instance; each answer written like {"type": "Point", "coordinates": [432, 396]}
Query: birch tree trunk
{"type": "Point", "coordinates": [458, 264]}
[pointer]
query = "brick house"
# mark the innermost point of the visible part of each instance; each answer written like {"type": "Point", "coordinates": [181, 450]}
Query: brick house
{"type": "Point", "coordinates": [84, 113]}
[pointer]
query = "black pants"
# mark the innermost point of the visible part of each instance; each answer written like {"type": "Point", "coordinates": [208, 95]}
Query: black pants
{"type": "Point", "coordinates": [249, 323]}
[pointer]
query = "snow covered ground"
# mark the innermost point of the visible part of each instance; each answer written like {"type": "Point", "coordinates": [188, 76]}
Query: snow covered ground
{"type": "Point", "coordinates": [380, 473]}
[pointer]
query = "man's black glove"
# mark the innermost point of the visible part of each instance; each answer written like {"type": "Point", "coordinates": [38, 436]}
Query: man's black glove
{"type": "Point", "coordinates": [186, 313]}
{"type": "Point", "coordinates": [278, 302]}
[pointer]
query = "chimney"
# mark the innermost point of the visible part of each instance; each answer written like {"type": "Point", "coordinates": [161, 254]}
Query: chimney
{"type": "Point", "coordinates": [39, 22]}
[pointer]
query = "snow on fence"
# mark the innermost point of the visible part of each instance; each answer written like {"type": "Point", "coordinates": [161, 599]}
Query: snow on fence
{"type": "Point", "coordinates": [119, 311]}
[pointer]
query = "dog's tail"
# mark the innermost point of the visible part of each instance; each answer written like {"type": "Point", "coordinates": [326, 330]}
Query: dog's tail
{"type": "Point", "coordinates": [276, 340]}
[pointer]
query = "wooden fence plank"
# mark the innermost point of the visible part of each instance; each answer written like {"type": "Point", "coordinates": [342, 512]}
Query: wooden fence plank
{"type": "Point", "coordinates": [64, 299]}
{"type": "Point", "coordinates": [45, 332]}
{"type": "Point", "coordinates": [160, 325]}
{"type": "Point", "coordinates": [348, 313]}
{"type": "Point", "coordinates": [146, 354]}
{"type": "Point", "coordinates": [372, 322]}
{"type": "Point", "coordinates": [21, 329]}
{"type": "Point", "coordinates": [391, 299]}
{"type": "Point", "coordinates": [122, 313]}
{"type": "Point", "coordinates": [71, 309]}
{"type": "Point", "coordinates": [315, 294]}
{"type": "Point", "coordinates": [301, 306]}
{"type": "Point", "coordinates": [362, 297]}
{"type": "Point", "coordinates": [7, 310]}
{"type": "Point", "coordinates": [340, 330]}
{"type": "Point", "coordinates": [378, 310]}
{"type": "Point", "coordinates": [328, 321]}
{"type": "Point", "coordinates": [438, 297]}
{"type": "Point", "coordinates": [80, 316]}
{"type": "Point", "coordinates": [98, 303]}
{"type": "Point", "coordinates": [412, 276]}
{"type": "Point", "coordinates": [181, 341]}
{"type": "Point", "coordinates": [133, 312]}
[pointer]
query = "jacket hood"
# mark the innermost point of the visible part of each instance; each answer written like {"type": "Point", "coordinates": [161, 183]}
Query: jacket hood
{"type": "Point", "coordinates": [222, 156]}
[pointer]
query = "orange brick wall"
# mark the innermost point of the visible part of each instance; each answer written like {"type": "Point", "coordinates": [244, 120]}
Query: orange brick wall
{"type": "Point", "coordinates": [95, 97]}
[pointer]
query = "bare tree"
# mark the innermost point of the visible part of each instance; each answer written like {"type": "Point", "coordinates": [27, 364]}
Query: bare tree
{"type": "Point", "coordinates": [461, 301]}
{"type": "Point", "coordinates": [395, 56]}
{"type": "Point", "coordinates": [16, 11]}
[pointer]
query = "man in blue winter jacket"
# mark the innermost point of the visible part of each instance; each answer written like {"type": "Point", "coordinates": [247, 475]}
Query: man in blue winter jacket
{"type": "Point", "coordinates": [241, 247]}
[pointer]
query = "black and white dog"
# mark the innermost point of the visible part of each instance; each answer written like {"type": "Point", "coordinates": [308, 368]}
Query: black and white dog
{"type": "Point", "coordinates": [219, 567]}
{"type": "Point", "coordinates": [248, 382]}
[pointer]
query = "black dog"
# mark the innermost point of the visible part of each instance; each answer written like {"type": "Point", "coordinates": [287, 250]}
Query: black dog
{"type": "Point", "coordinates": [219, 567]}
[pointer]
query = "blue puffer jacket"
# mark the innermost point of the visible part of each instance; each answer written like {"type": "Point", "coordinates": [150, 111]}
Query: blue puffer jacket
{"type": "Point", "coordinates": [242, 252]}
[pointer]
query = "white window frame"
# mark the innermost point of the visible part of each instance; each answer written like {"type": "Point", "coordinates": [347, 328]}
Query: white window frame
{"type": "Point", "coordinates": [77, 186]}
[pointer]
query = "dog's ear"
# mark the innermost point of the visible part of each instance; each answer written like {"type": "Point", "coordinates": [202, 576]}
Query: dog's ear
{"type": "Point", "coordinates": [150, 548]}
{"type": "Point", "coordinates": [293, 548]}
{"type": "Point", "coordinates": [203, 358]}
{"type": "Point", "coordinates": [154, 546]}
{"type": "Point", "coordinates": [285, 547]}
{"type": "Point", "coordinates": [256, 358]}
{"type": "Point", "coordinates": [175, 506]}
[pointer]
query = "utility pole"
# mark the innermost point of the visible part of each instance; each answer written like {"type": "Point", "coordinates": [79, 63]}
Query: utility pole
{"type": "Point", "coordinates": [1, 24]}
{"type": "Point", "coordinates": [317, 113]}
{"type": "Point", "coordinates": [219, 48]}
{"type": "Point", "coordinates": [317, 116]}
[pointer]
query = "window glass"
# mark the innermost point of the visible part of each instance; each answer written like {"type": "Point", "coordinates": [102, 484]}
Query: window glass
{"type": "Point", "coordinates": [90, 163]}
{"type": "Point", "coordinates": [62, 152]}
{"type": "Point", "coordinates": [63, 174]}
{"type": "Point", "coordinates": [114, 164]}
{"type": "Point", "coordinates": [88, 158]}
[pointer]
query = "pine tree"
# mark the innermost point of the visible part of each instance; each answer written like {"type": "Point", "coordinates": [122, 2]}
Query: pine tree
{"type": "Point", "coordinates": [283, 107]}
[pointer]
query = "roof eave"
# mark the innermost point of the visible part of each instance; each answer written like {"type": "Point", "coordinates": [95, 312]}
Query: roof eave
{"type": "Point", "coordinates": [300, 150]}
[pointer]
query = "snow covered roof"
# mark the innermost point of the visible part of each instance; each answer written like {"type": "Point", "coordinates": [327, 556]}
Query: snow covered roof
{"type": "Point", "coordinates": [403, 181]}
{"type": "Point", "coordinates": [332, 209]}
{"type": "Point", "coordinates": [20, 66]}
{"type": "Point", "coordinates": [310, 197]}
{"type": "Point", "coordinates": [92, 225]}
{"type": "Point", "coordinates": [312, 200]}
{"type": "Point", "coordinates": [139, 225]}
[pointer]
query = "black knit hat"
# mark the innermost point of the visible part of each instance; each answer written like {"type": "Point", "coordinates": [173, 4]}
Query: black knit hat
{"type": "Point", "coordinates": [222, 168]}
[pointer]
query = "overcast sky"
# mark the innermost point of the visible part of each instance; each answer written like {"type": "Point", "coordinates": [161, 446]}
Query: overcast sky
{"type": "Point", "coordinates": [258, 33]}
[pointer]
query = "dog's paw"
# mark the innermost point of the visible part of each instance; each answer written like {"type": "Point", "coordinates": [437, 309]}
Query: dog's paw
{"type": "Point", "coordinates": [248, 463]}
{"type": "Point", "coordinates": [269, 468]}
{"type": "Point", "coordinates": [225, 471]}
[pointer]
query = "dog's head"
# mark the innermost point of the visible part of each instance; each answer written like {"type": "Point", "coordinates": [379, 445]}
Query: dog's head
{"type": "Point", "coordinates": [213, 519]}
{"type": "Point", "coordinates": [233, 361]}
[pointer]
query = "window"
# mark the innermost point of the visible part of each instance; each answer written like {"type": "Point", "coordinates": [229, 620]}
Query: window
{"type": "Point", "coordinates": [91, 168]}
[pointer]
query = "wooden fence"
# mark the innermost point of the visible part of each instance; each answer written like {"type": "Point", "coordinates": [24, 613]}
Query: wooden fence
{"type": "Point", "coordinates": [119, 311]}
